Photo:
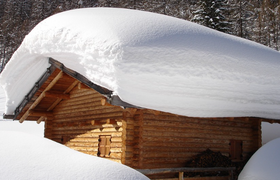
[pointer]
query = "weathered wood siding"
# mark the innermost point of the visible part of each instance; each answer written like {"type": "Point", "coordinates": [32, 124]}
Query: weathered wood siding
{"type": "Point", "coordinates": [170, 141]}
{"type": "Point", "coordinates": [79, 121]}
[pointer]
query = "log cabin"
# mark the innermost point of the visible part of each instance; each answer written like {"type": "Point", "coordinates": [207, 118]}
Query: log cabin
{"type": "Point", "coordinates": [210, 98]}
{"type": "Point", "coordinates": [88, 118]}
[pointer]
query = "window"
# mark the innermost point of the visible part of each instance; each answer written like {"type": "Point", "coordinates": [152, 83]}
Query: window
{"type": "Point", "coordinates": [104, 146]}
{"type": "Point", "coordinates": [235, 150]}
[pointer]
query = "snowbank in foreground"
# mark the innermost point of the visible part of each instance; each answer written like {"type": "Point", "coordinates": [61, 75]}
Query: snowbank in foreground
{"type": "Point", "coordinates": [24, 156]}
{"type": "Point", "coordinates": [9, 125]}
{"type": "Point", "coordinates": [264, 164]}
{"type": "Point", "coordinates": [152, 61]}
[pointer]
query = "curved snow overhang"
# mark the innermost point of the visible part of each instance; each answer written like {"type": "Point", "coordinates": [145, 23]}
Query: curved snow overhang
{"type": "Point", "coordinates": [108, 94]}
{"type": "Point", "coordinates": [152, 61]}
{"type": "Point", "coordinates": [56, 65]}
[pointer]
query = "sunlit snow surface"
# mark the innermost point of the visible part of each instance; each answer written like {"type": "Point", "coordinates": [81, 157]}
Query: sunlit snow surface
{"type": "Point", "coordinates": [152, 61]}
{"type": "Point", "coordinates": [25, 157]}
{"type": "Point", "coordinates": [264, 164]}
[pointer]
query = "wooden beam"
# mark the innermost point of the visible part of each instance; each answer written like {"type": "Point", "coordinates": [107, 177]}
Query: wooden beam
{"type": "Point", "coordinates": [42, 95]}
{"type": "Point", "coordinates": [66, 91]}
{"type": "Point", "coordinates": [155, 112]}
{"type": "Point", "coordinates": [71, 86]}
{"type": "Point", "coordinates": [83, 86]}
{"type": "Point", "coordinates": [104, 121]}
{"type": "Point", "coordinates": [104, 102]}
{"type": "Point", "coordinates": [57, 95]}
{"type": "Point", "coordinates": [42, 118]}
{"type": "Point", "coordinates": [181, 175]}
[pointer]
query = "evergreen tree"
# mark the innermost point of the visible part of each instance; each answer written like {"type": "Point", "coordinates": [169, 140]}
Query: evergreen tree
{"type": "Point", "coordinates": [243, 17]}
{"type": "Point", "coordinates": [212, 13]}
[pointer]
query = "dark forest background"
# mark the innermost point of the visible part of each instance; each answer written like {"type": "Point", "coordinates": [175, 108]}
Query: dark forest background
{"type": "Point", "coordinates": [256, 20]}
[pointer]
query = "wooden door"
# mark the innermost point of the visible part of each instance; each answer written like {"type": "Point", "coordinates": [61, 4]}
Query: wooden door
{"type": "Point", "coordinates": [104, 146]}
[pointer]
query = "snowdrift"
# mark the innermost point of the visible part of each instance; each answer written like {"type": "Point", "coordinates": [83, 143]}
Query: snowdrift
{"type": "Point", "coordinates": [24, 156]}
{"type": "Point", "coordinates": [152, 61]}
{"type": "Point", "coordinates": [264, 164]}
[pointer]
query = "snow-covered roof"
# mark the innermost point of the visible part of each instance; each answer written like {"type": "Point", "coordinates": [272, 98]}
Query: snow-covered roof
{"type": "Point", "coordinates": [152, 61]}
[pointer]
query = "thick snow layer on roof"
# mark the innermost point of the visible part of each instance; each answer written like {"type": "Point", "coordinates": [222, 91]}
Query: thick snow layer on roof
{"type": "Point", "coordinates": [264, 164]}
{"type": "Point", "coordinates": [152, 61]}
{"type": "Point", "coordinates": [25, 156]}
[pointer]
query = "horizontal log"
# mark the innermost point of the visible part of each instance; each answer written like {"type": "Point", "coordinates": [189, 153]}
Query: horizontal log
{"type": "Point", "coordinates": [116, 145]}
{"type": "Point", "coordinates": [116, 139]}
{"type": "Point", "coordinates": [166, 116]}
{"type": "Point", "coordinates": [189, 148]}
{"type": "Point", "coordinates": [165, 160]}
{"type": "Point", "coordinates": [174, 121]}
{"type": "Point", "coordinates": [83, 140]}
{"type": "Point", "coordinates": [68, 104]}
{"type": "Point", "coordinates": [189, 132]}
{"type": "Point", "coordinates": [85, 150]}
{"type": "Point", "coordinates": [94, 106]}
{"type": "Point", "coordinates": [171, 154]}
{"type": "Point", "coordinates": [115, 150]}
{"type": "Point", "coordinates": [89, 129]}
{"type": "Point", "coordinates": [82, 144]}
{"type": "Point", "coordinates": [87, 116]}
{"type": "Point", "coordinates": [165, 125]}
{"type": "Point", "coordinates": [196, 134]}
{"type": "Point", "coordinates": [104, 121]}
{"type": "Point", "coordinates": [82, 134]}
{"type": "Point", "coordinates": [115, 155]}
{"type": "Point", "coordinates": [83, 92]}
{"type": "Point", "coordinates": [89, 111]}
{"type": "Point", "coordinates": [86, 128]}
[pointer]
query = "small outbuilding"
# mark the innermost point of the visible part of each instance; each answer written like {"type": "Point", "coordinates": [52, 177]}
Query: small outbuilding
{"type": "Point", "coordinates": [146, 90]}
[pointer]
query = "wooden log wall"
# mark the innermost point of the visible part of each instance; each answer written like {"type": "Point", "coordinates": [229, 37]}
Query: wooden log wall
{"type": "Point", "coordinates": [170, 141]}
{"type": "Point", "coordinates": [145, 138]}
{"type": "Point", "coordinates": [79, 121]}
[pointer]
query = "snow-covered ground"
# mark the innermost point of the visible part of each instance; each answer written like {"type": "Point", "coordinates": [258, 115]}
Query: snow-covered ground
{"type": "Point", "coordinates": [30, 127]}
{"type": "Point", "coordinates": [26, 157]}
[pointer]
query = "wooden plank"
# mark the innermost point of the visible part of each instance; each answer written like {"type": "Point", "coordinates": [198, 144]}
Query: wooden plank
{"type": "Point", "coordinates": [42, 95]}
{"type": "Point", "coordinates": [42, 118]}
{"type": "Point", "coordinates": [88, 114]}
{"type": "Point", "coordinates": [60, 99]}
{"type": "Point", "coordinates": [181, 175]}
{"type": "Point", "coordinates": [39, 113]}
{"type": "Point", "coordinates": [57, 95]}
{"type": "Point", "coordinates": [87, 108]}
{"type": "Point", "coordinates": [71, 106]}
